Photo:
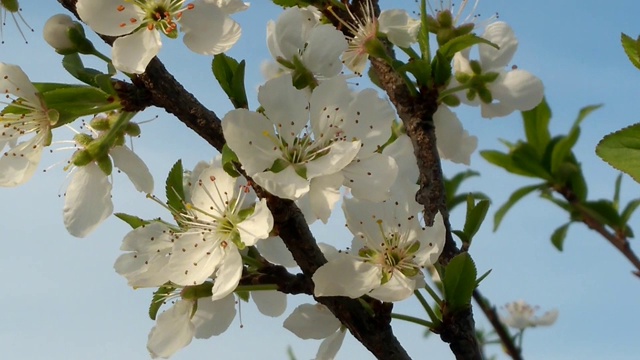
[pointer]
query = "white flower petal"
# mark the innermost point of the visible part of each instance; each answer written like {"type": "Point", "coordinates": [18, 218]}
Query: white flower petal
{"type": "Point", "coordinates": [230, 6]}
{"type": "Point", "coordinates": [323, 195]}
{"type": "Point", "coordinates": [501, 34]}
{"type": "Point", "coordinates": [549, 318]}
{"type": "Point", "coordinates": [132, 53]}
{"type": "Point", "coordinates": [401, 29]}
{"type": "Point", "coordinates": [110, 17]}
{"type": "Point", "coordinates": [431, 242]}
{"type": "Point", "coordinates": [398, 288]}
{"type": "Point", "coordinates": [285, 106]}
{"type": "Point", "coordinates": [290, 33]}
{"type": "Point", "coordinates": [325, 44]}
{"type": "Point", "coordinates": [194, 258]}
{"type": "Point", "coordinates": [19, 163]}
{"type": "Point", "coordinates": [519, 89]}
{"type": "Point", "coordinates": [213, 317]}
{"type": "Point", "coordinates": [212, 190]}
{"type": "Point", "coordinates": [270, 303]}
{"type": "Point", "coordinates": [14, 81]}
{"type": "Point", "coordinates": [285, 184]}
{"type": "Point", "coordinates": [401, 150]}
{"type": "Point", "coordinates": [328, 105]}
{"type": "Point", "coordinates": [454, 143]}
{"type": "Point", "coordinates": [131, 164]}
{"type": "Point", "coordinates": [330, 346]}
{"type": "Point", "coordinates": [208, 30]}
{"type": "Point", "coordinates": [250, 135]}
{"type": "Point", "coordinates": [310, 321]}
{"type": "Point", "coordinates": [341, 154]}
{"type": "Point", "coordinates": [257, 226]}
{"type": "Point", "coordinates": [371, 178]}
{"type": "Point", "coordinates": [369, 120]}
{"type": "Point", "coordinates": [228, 274]}
{"type": "Point", "coordinates": [172, 332]}
{"type": "Point", "coordinates": [275, 251]}
{"type": "Point", "coordinates": [87, 201]}
{"type": "Point", "coordinates": [346, 276]}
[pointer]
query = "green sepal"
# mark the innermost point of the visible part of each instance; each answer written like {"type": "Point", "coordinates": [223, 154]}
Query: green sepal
{"type": "Point", "coordinates": [73, 101]}
{"type": "Point", "coordinates": [423, 34]}
{"type": "Point", "coordinates": [197, 291]}
{"type": "Point", "coordinates": [631, 48]}
{"type": "Point", "coordinates": [621, 150]}
{"type": "Point", "coordinates": [105, 164]}
{"type": "Point", "coordinates": [230, 76]}
{"type": "Point", "coordinates": [95, 78]}
{"type": "Point", "coordinates": [174, 187]}
{"type": "Point", "coordinates": [132, 220]}
{"type": "Point", "coordinates": [11, 6]}
{"type": "Point", "coordinates": [158, 299]}
{"type": "Point", "coordinates": [459, 282]}
{"type": "Point", "coordinates": [558, 236]}
{"type": "Point", "coordinates": [513, 199]}
{"type": "Point", "coordinates": [243, 295]}
{"type": "Point", "coordinates": [228, 158]}
{"type": "Point", "coordinates": [278, 165]}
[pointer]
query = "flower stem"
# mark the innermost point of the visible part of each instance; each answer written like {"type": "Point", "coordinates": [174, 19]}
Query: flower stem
{"type": "Point", "coordinates": [412, 319]}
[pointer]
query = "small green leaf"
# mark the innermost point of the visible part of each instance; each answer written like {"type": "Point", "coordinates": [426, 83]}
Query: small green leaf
{"type": "Point", "coordinates": [158, 299]}
{"type": "Point", "coordinates": [451, 185]}
{"type": "Point", "coordinates": [502, 160]}
{"type": "Point", "coordinates": [629, 210]}
{"type": "Point", "coordinates": [558, 236]}
{"type": "Point", "coordinates": [228, 158]}
{"type": "Point", "coordinates": [513, 199]}
{"type": "Point", "coordinates": [230, 76]}
{"type": "Point", "coordinates": [460, 43]}
{"type": "Point", "coordinates": [536, 126]}
{"type": "Point", "coordinates": [459, 282]}
{"type": "Point", "coordinates": [459, 199]}
{"type": "Point", "coordinates": [604, 212]}
{"type": "Point", "coordinates": [441, 68]}
{"type": "Point", "coordinates": [243, 295]}
{"type": "Point", "coordinates": [616, 192]}
{"type": "Point", "coordinates": [174, 187]}
{"type": "Point", "coordinates": [475, 217]}
{"type": "Point", "coordinates": [632, 49]}
{"type": "Point", "coordinates": [482, 277]}
{"type": "Point", "coordinates": [133, 221]}
{"type": "Point", "coordinates": [562, 149]}
{"type": "Point", "coordinates": [621, 150]}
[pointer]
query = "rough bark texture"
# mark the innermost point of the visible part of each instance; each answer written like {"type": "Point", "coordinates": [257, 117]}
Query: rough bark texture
{"type": "Point", "coordinates": [162, 90]}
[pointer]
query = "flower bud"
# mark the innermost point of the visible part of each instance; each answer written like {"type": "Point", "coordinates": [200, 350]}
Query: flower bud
{"type": "Point", "coordinates": [55, 33]}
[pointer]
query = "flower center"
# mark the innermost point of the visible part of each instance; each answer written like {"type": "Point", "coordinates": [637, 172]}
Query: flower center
{"type": "Point", "coordinates": [162, 14]}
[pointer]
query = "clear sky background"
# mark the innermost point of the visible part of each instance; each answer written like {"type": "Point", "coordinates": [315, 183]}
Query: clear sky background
{"type": "Point", "coordinates": [61, 299]}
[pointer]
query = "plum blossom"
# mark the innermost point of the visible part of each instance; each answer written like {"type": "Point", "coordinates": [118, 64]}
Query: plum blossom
{"type": "Point", "coordinates": [521, 315]}
{"type": "Point", "coordinates": [388, 252]}
{"type": "Point", "coordinates": [498, 92]}
{"type": "Point", "coordinates": [310, 321]}
{"type": "Point", "coordinates": [87, 201]}
{"type": "Point", "coordinates": [221, 218]}
{"type": "Point", "coordinates": [299, 37]}
{"type": "Point", "coordinates": [453, 141]}
{"type": "Point", "coordinates": [298, 141]}
{"type": "Point", "coordinates": [55, 32]}
{"type": "Point", "coordinates": [207, 27]}
{"type": "Point", "coordinates": [177, 326]}
{"type": "Point", "coordinates": [26, 116]}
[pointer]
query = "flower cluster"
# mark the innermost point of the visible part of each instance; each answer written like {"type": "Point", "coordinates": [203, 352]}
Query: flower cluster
{"type": "Point", "coordinates": [521, 315]}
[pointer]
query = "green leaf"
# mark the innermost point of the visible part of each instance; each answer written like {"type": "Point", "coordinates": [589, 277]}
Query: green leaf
{"type": "Point", "coordinates": [423, 35]}
{"type": "Point", "coordinates": [441, 68]}
{"type": "Point", "coordinates": [604, 212]}
{"type": "Point", "coordinates": [536, 126]}
{"type": "Point", "coordinates": [459, 199]}
{"type": "Point", "coordinates": [616, 192]}
{"type": "Point", "coordinates": [174, 187]}
{"type": "Point", "coordinates": [513, 199]}
{"type": "Point", "coordinates": [482, 277]}
{"type": "Point", "coordinates": [631, 48]}
{"type": "Point", "coordinates": [621, 150]}
{"type": "Point", "coordinates": [133, 221]}
{"type": "Point", "coordinates": [629, 210]}
{"type": "Point", "coordinates": [419, 68]}
{"type": "Point", "coordinates": [502, 160]}
{"type": "Point", "coordinates": [475, 216]}
{"type": "Point", "coordinates": [291, 3]}
{"type": "Point", "coordinates": [230, 76]}
{"type": "Point", "coordinates": [228, 158]}
{"type": "Point", "coordinates": [158, 299]}
{"type": "Point", "coordinates": [563, 149]}
{"type": "Point", "coordinates": [74, 66]}
{"type": "Point", "coordinates": [459, 282]}
{"type": "Point", "coordinates": [558, 236]}
{"type": "Point", "coordinates": [451, 186]}
{"type": "Point", "coordinates": [526, 160]}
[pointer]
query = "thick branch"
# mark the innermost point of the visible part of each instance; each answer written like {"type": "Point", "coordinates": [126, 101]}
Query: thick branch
{"type": "Point", "coordinates": [372, 330]}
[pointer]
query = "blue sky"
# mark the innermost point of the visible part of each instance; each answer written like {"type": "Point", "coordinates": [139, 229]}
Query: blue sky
{"type": "Point", "coordinates": [62, 299]}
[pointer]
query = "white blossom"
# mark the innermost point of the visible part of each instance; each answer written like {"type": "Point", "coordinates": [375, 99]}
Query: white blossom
{"type": "Point", "coordinates": [298, 35]}
{"type": "Point", "coordinates": [297, 141]}
{"type": "Point", "coordinates": [400, 28]}
{"type": "Point", "coordinates": [55, 32]}
{"type": "Point", "coordinates": [310, 321]}
{"type": "Point", "coordinates": [206, 26]}
{"type": "Point", "coordinates": [453, 141]}
{"type": "Point", "coordinates": [25, 126]}
{"type": "Point", "coordinates": [511, 90]}
{"type": "Point", "coordinates": [388, 252]}
{"type": "Point", "coordinates": [522, 315]}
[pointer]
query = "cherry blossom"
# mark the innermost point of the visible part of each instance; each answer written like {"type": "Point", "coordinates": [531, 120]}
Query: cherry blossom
{"type": "Point", "coordinates": [206, 25]}
{"type": "Point", "coordinates": [26, 126]}
{"type": "Point", "coordinates": [55, 32]}
{"type": "Point", "coordinates": [497, 91]}
{"type": "Point", "coordinates": [453, 141]}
